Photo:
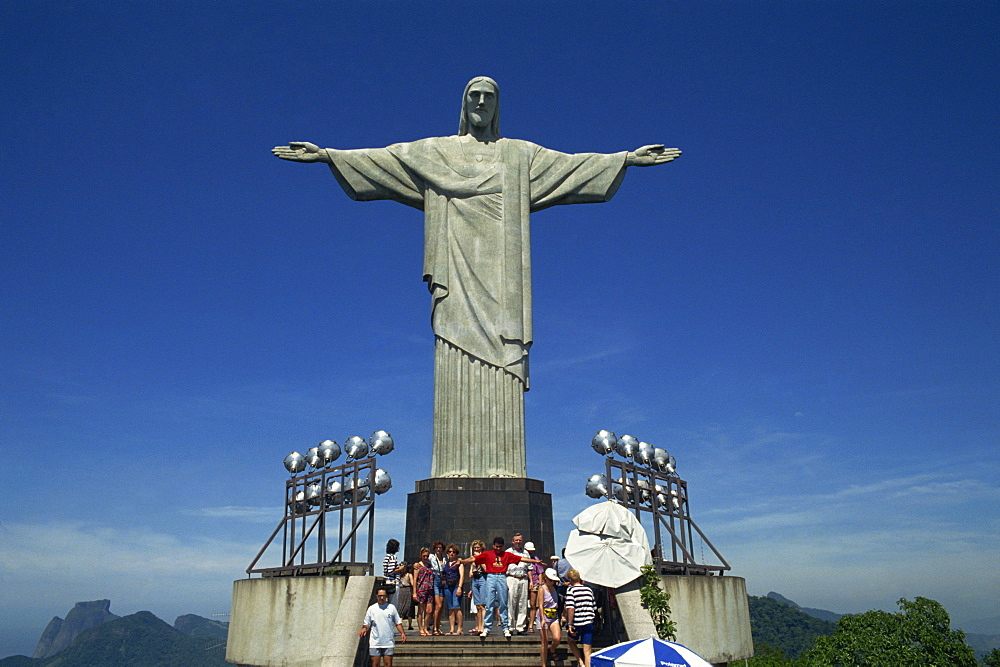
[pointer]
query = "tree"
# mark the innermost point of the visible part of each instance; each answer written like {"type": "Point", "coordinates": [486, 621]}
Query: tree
{"type": "Point", "coordinates": [992, 659]}
{"type": "Point", "coordinates": [920, 634]}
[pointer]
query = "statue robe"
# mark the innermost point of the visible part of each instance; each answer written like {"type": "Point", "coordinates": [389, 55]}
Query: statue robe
{"type": "Point", "coordinates": [477, 266]}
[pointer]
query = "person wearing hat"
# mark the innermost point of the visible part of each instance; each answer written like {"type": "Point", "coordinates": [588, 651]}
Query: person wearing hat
{"type": "Point", "coordinates": [546, 617]}
{"type": "Point", "coordinates": [517, 586]}
{"type": "Point", "coordinates": [535, 571]}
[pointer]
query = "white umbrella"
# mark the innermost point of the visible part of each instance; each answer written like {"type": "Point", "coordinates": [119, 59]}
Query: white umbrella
{"type": "Point", "coordinates": [610, 547]}
{"type": "Point", "coordinates": [650, 652]}
{"type": "Point", "coordinates": [610, 519]}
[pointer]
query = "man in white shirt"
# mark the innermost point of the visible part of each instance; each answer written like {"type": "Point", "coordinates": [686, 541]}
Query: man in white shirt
{"type": "Point", "coordinates": [517, 587]}
{"type": "Point", "coordinates": [382, 618]}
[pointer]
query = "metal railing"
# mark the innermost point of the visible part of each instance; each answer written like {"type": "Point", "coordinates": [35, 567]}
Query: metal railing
{"type": "Point", "coordinates": [665, 497]}
{"type": "Point", "coordinates": [311, 500]}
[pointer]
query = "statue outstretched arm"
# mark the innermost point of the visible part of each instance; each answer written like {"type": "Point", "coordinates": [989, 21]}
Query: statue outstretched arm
{"type": "Point", "coordinates": [649, 156]}
{"type": "Point", "coordinates": [301, 151]}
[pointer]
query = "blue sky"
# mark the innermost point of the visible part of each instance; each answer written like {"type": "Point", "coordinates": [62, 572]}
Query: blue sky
{"type": "Point", "coordinates": [803, 309]}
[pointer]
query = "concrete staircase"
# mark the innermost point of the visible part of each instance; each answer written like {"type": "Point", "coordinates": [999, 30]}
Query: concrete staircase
{"type": "Point", "coordinates": [473, 651]}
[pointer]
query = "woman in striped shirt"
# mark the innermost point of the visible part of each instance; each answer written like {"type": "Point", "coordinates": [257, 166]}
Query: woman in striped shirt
{"type": "Point", "coordinates": [580, 610]}
{"type": "Point", "coordinates": [391, 569]}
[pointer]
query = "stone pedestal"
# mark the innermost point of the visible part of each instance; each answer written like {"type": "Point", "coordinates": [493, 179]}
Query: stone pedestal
{"type": "Point", "coordinates": [711, 613]}
{"type": "Point", "coordinates": [298, 621]}
{"type": "Point", "coordinates": [461, 509]}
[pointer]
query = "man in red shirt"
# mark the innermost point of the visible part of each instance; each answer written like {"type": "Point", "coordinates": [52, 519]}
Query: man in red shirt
{"type": "Point", "coordinates": [496, 562]}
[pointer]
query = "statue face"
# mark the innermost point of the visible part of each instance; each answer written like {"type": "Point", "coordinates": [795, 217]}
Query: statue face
{"type": "Point", "coordinates": [480, 104]}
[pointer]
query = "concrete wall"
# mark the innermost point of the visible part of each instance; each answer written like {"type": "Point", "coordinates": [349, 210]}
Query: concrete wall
{"type": "Point", "coordinates": [711, 613]}
{"type": "Point", "coordinates": [297, 621]}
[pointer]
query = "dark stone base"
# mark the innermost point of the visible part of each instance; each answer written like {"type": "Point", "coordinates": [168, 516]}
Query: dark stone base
{"type": "Point", "coordinates": [462, 509]}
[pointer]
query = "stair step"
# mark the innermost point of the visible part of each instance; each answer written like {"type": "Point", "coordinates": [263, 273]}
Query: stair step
{"type": "Point", "coordinates": [494, 650]}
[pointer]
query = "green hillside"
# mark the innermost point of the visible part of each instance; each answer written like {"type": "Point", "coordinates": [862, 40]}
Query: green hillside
{"type": "Point", "coordinates": [779, 626]}
{"type": "Point", "coordinates": [139, 640]}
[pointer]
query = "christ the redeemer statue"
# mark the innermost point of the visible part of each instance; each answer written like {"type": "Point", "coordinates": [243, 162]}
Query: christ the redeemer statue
{"type": "Point", "coordinates": [477, 191]}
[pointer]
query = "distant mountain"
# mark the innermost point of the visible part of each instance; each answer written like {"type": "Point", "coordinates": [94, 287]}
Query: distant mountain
{"type": "Point", "coordinates": [982, 644]}
{"type": "Point", "coordinates": [59, 634]}
{"type": "Point", "coordinates": [138, 640]}
{"type": "Point", "coordinates": [779, 625]}
{"type": "Point", "coordinates": [19, 661]}
{"type": "Point", "coordinates": [821, 614]}
{"type": "Point", "coordinates": [199, 626]}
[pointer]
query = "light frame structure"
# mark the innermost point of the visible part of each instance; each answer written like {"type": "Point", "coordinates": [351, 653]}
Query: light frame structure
{"type": "Point", "coordinates": [306, 518]}
{"type": "Point", "coordinates": [640, 485]}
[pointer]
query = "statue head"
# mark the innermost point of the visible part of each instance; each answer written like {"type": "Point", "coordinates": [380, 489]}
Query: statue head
{"type": "Point", "coordinates": [480, 106]}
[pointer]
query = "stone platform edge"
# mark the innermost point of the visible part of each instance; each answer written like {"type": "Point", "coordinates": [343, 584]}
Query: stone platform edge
{"type": "Point", "coordinates": [712, 615]}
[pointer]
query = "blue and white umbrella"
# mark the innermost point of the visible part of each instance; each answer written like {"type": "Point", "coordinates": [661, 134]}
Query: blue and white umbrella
{"type": "Point", "coordinates": [650, 652]}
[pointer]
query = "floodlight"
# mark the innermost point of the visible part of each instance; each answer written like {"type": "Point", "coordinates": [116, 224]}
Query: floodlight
{"type": "Point", "coordinates": [314, 494]}
{"type": "Point", "coordinates": [382, 481]}
{"type": "Point", "coordinates": [329, 450]}
{"type": "Point", "coordinates": [295, 463]}
{"type": "Point", "coordinates": [660, 458]}
{"type": "Point", "coordinates": [618, 491]}
{"type": "Point", "coordinates": [644, 454]}
{"type": "Point", "coordinates": [356, 447]}
{"type": "Point", "coordinates": [627, 446]}
{"type": "Point", "coordinates": [298, 502]}
{"type": "Point", "coordinates": [643, 490]}
{"type": "Point", "coordinates": [676, 499]}
{"type": "Point", "coordinates": [381, 442]}
{"type": "Point", "coordinates": [597, 486]}
{"type": "Point", "coordinates": [334, 492]}
{"type": "Point", "coordinates": [357, 491]}
{"type": "Point", "coordinates": [314, 458]}
{"type": "Point", "coordinates": [662, 501]}
{"type": "Point", "coordinates": [671, 466]}
{"type": "Point", "coordinates": [604, 442]}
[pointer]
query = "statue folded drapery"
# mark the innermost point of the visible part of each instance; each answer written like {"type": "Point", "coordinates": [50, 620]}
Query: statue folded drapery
{"type": "Point", "coordinates": [477, 266]}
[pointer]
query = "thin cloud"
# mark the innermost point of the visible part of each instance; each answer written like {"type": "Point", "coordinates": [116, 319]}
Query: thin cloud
{"type": "Point", "coordinates": [239, 513]}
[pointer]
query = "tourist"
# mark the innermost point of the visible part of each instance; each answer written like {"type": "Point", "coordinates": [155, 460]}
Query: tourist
{"type": "Point", "coordinates": [547, 616]}
{"type": "Point", "coordinates": [391, 569]}
{"type": "Point", "coordinates": [517, 586]}
{"type": "Point", "coordinates": [437, 562]}
{"type": "Point", "coordinates": [535, 571]}
{"type": "Point", "coordinates": [581, 609]}
{"type": "Point", "coordinates": [451, 577]}
{"type": "Point", "coordinates": [496, 561]}
{"type": "Point", "coordinates": [382, 618]}
{"type": "Point", "coordinates": [423, 592]}
{"type": "Point", "coordinates": [405, 606]}
{"type": "Point", "coordinates": [477, 592]}
{"type": "Point", "coordinates": [562, 566]}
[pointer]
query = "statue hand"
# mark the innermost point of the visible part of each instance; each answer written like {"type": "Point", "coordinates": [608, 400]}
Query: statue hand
{"type": "Point", "coordinates": [652, 155]}
{"type": "Point", "coordinates": [301, 151]}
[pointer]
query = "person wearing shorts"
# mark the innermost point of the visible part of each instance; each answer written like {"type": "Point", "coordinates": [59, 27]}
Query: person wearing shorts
{"type": "Point", "coordinates": [381, 618]}
{"type": "Point", "coordinates": [437, 559]}
{"type": "Point", "coordinates": [477, 592]}
{"type": "Point", "coordinates": [580, 611]}
{"type": "Point", "coordinates": [451, 576]}
{"type": "Point", "coordinates": [547, 615]}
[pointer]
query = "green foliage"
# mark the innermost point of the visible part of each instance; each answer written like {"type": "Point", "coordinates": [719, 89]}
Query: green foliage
{"type": "Point", "coordinates": [765, 655]}
{"type": "Point", "coordinates": [992, 659]}
{"type": "Point", "coordinates": [779, 628]}
{"type": "Point", "coordinates": [656, 600]}
{"type": "Point", "coordinates": [138, 640]}
{"type": "Point", "coordinates": [919, 634]}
